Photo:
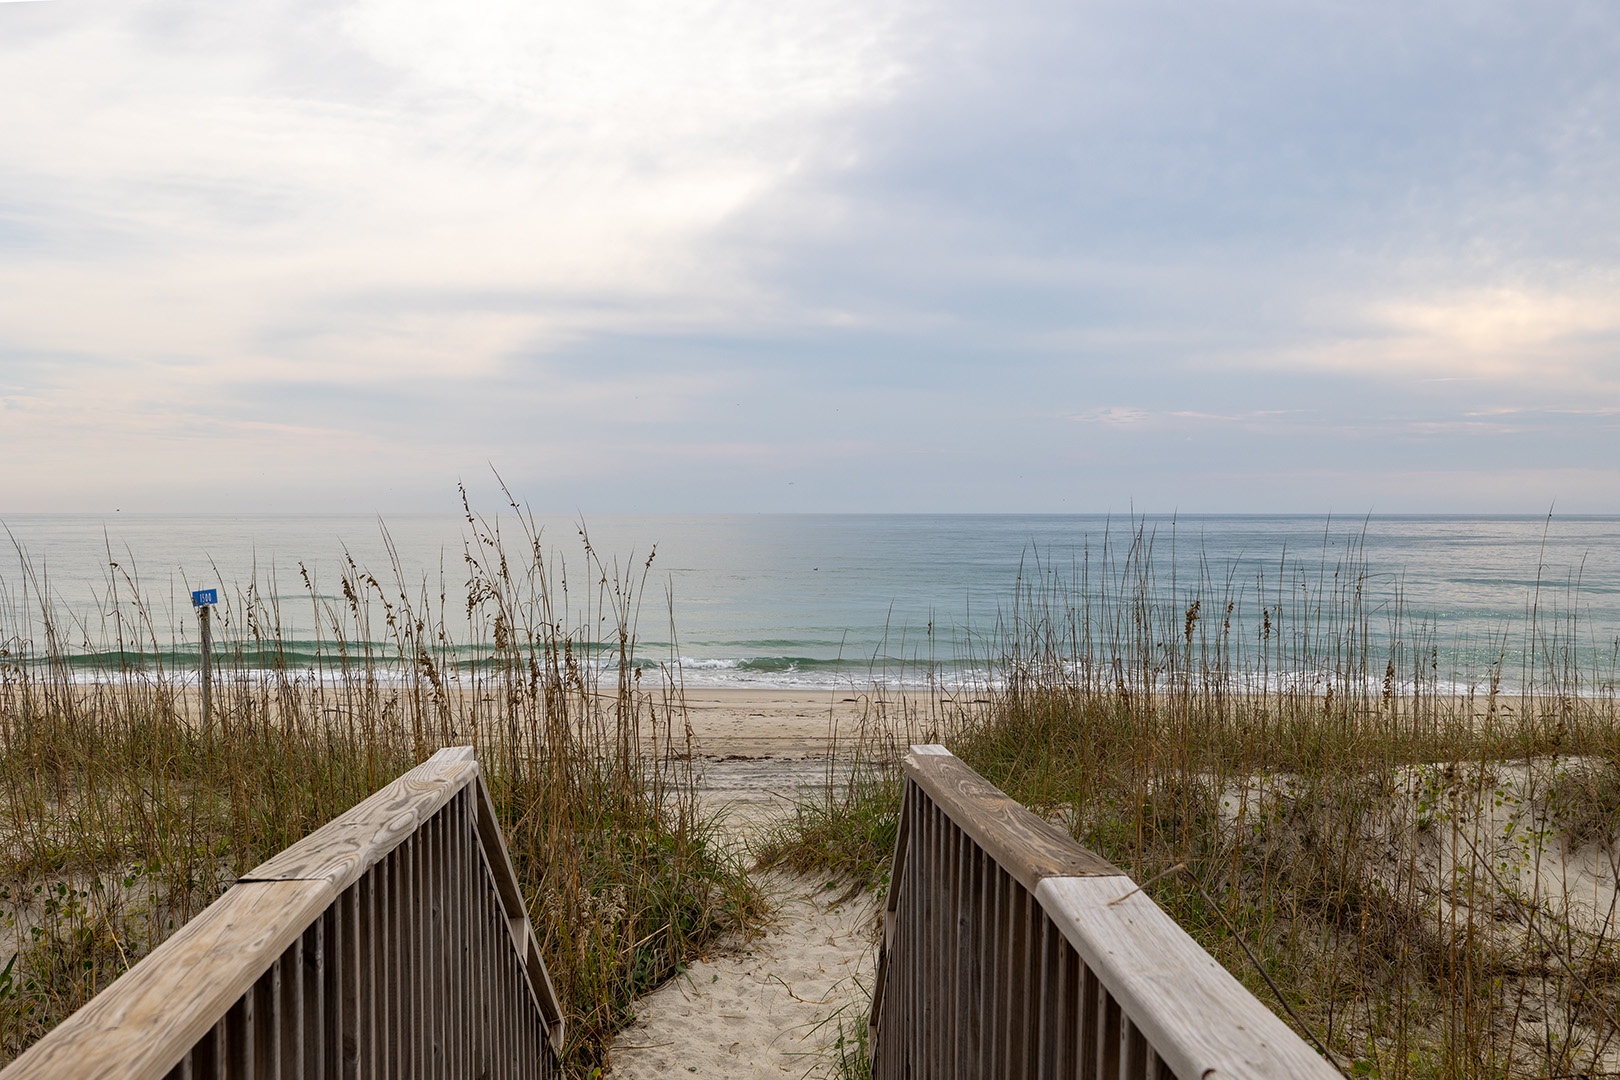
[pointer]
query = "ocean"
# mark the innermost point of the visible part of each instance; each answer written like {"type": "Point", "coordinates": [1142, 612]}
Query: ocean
{"type": "Point", "coordinates": [787, 601]}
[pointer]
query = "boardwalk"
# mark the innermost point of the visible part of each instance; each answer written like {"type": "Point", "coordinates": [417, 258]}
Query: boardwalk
{"type": "Point", "coordinates": [393, 942]}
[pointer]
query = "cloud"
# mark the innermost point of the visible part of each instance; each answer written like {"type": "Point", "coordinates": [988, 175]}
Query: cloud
{"type": "Point", "coordinates": [618, 241]}
{"type": "Point", "coordinates": [1112, 414]}
{"type": "Point", "coordinates": [214, 190]}
{"type": "Point", "coordinates": [1508, 331]}
{"type": "Point", "coordinates": [677, 76]}
{"type": "Point", "coordinates": [391, 206]}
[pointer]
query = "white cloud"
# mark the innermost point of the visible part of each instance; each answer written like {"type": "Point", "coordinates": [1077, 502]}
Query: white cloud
{"type": "Point", "coordinates": [620, 235]}
{"type": "Point", "coordinates": [1501, 332]}
{"type": "Point", "coordinates": [1559, 335]}
{"type": "Point", "coordinates": [640, 71]}
{"type": "Point", "coordinates": [1112, 414]}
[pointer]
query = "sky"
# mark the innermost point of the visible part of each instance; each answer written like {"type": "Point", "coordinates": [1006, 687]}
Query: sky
{"type": "Point", "coordinates": [810, 255]}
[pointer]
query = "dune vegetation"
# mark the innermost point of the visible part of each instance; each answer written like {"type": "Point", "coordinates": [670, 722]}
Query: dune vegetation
{"type": "Point", "coordinates": [124, 810]}
{"type": "Point", "coordinates": [1405, 844]}
{"type": "Point", "coordinates": [1415, 838]}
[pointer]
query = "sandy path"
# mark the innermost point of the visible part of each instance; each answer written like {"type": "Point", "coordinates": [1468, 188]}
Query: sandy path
{"type": "Point", "coordinates": [769, 1008]}
{"type": "Point", "coordinates": [775, 1006]}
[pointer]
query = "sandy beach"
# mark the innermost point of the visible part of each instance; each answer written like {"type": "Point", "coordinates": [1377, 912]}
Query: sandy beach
{"type": "Point", "coordinates": [772, 723]}
{"type": "Point", "coordinates": [756, 752]}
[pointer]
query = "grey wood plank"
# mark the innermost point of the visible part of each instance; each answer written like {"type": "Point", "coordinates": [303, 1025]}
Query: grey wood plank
{"type": "Point", "coordinates": [354, 841]}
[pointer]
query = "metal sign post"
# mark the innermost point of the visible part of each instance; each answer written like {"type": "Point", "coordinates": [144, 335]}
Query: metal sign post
{"type": "Point", "coordinates": [204, 600]}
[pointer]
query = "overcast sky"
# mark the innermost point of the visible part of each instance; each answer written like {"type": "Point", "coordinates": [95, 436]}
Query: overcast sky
{"type": "Point", "coordinates": [659, 255]}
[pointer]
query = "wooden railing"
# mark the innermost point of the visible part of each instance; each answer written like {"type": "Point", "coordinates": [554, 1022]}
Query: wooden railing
{"type": "Point", "coordinates": [1011, 951]}
{"type": "Point", "coordinates": [390, 942]}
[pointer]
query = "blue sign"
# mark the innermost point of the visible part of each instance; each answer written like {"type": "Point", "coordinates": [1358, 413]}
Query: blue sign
{"type": "Point", "coordinates": [204, 596]}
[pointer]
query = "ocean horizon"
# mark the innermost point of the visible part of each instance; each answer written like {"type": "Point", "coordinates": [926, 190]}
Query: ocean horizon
{"type": "Point", "coordinates": [773, 601]}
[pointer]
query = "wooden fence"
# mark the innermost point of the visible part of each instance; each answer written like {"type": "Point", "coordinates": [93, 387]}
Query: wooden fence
{"type": "Point", "coordinates": [1011, 951]}
{"type": "Point", "coordinates": [391, 942]}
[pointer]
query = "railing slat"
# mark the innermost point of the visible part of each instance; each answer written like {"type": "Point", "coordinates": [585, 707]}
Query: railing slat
{"type": "Point", "coordinates": [348, 951]}
{"type": "Point", "coordinates": [1045, 1000]}
{"type": "Point", "coordinates": [1136, 1053]}
{"type": "Point", "coordinates": [934, 1014]}
{"type": "Point", "coordinates": [1068, 1023]}
{"type": "Point", "coordinates": [1109, 1044]}
{"type": "Point", "coordinates": [1089, 1035]}
{"type": "Point", "coordinates": [314, 1000]}
{"type": "Point", "coordinates": [432, 932]}
{"type": "Point", "coordinates": [385, 969]}
{"type": "Point", "coordinates": [989, 894]}
{"type": "Point", "coordinates": [369, 936]}
{"type": "Point", "coordinates": [461, 1053]}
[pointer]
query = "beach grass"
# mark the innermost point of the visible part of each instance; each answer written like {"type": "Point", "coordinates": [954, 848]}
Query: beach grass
{"type": "Point", "coordinates": [1416, 838]}
{"type": "Point", "coordinates": [846, 832]}
{"type": "Point", "coordinates": [845, 828]}
{"type": "Point", "coordinates": [126, 811]}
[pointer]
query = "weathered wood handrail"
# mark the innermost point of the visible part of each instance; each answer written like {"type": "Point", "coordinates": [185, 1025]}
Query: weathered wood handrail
{"type": "Point", "coordinates": [1011, 951]}
{"type": "Point", "coordinates": [392, 941]}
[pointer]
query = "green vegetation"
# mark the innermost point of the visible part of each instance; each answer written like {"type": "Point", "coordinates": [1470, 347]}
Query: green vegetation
{"type": "Point", "coordinates": [847, 829]}
{"type": "Point", "coordinates": [849, 1056]}
{"type": "Point", "coordinates": [123, 813]}
{"type": "Point", "coordinates": [847, 832]}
